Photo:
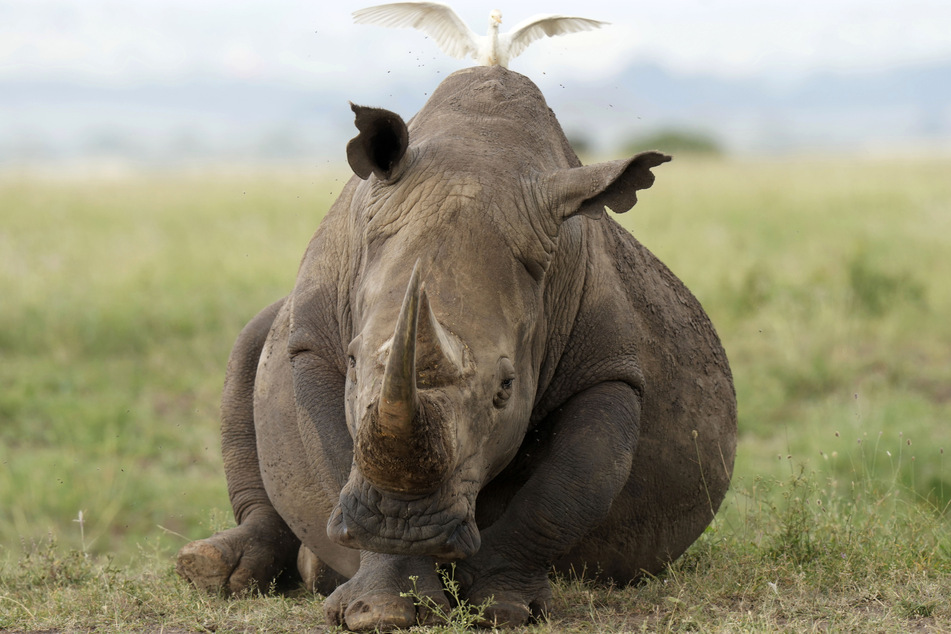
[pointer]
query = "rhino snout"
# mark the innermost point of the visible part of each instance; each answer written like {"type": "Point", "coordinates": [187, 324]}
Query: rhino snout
{"type": "Point", "coordinates": [400, 527]}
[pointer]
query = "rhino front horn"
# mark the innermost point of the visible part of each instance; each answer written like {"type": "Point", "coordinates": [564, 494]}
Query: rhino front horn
{"type": "Point", "coordinates": [407, 444]}
{"type": "Point", "coordinates": [397, 408]}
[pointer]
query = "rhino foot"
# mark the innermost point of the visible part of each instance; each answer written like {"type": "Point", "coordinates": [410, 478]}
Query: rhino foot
{"type": "Point", "coordinates": [234, 561]}
{"type": "Point", "coordinates": [505, 614]}
{"type": "Point", "coordinates": [511, 609]}
{"type": "Point", "coordinates": [372, 599]}
{"type": "Point", "coordinates": [515, 597]}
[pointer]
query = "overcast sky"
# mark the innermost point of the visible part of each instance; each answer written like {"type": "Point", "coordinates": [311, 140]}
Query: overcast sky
{"type": "Point", "coordinates": [315, 41]}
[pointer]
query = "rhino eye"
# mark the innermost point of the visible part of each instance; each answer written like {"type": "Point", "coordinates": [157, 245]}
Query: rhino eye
{"type": "Point", "coordinates": [505, 392]}
{"type": "Point", "coordinates": [506, 381]}
{"type": "Point", "coordinates": [352, 361]}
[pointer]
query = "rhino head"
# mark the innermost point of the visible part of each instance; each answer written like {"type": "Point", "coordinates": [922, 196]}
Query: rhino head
{"type": "Point", "coordinates": [456, 224]}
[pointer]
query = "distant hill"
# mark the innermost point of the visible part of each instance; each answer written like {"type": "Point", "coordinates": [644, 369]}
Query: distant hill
{"type": "Point", "coordinates": [219, 119]}
{"type": "Point", "coordinates": [909, 106]}
{"type": "Point", "coordinates": [200, 118]}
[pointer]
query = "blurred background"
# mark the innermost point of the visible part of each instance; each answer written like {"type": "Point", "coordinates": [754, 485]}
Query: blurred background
{"type": "Point", "coordinates": [163, 164]}
{"type": "Point", "coordinates": [162, 82]}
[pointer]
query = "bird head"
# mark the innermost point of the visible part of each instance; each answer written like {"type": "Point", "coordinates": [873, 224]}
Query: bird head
{"type": "Point", "coordinates": [495, 18]}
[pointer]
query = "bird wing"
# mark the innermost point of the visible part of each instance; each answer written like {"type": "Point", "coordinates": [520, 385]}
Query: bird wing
{"type": "Point", "coordinates": [539, 26]}
{"type": "Point", "coordinates": [437, 20]}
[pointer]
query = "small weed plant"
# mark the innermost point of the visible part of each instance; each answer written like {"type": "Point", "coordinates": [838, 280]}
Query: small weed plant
{"type": "Point", "coordinates": [461, 615]}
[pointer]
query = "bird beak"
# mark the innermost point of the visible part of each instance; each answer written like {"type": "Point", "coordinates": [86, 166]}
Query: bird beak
{"type": "Point", "coordinates": [497, 19]}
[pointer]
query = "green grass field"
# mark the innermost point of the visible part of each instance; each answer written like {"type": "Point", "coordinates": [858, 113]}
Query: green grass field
{"type": "Point", "coordinates": [826, 278]}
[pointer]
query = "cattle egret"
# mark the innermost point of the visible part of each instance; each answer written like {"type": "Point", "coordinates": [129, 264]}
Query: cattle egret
{"type": "Point", "coordinates": [452, 35]}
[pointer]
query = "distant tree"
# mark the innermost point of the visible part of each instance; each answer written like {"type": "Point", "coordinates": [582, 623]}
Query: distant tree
{"type": "Point", "coordinates": [676, 141]}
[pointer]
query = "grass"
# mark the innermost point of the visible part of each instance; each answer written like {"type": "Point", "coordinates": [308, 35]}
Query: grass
{"type": "Point", "coordinates": [120, 298]}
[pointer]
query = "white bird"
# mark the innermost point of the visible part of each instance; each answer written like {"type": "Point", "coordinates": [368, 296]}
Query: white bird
{"type": "Point", "coordinates": [452, 35]}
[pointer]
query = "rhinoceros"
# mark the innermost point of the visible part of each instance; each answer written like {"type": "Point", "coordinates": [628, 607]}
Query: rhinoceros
{"type": "Point", "coordinates": [476, 365]}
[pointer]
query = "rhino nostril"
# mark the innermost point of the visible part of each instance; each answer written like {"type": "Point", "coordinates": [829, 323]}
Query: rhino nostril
{"type": "Point", "coordinates": [337, 529]}
{"type": "Point", "coordinates": [464, 541]}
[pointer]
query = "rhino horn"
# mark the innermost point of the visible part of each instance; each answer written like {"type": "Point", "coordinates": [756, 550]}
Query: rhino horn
{"type": "Point", "coordinates": [409, 445]}
{"type": "Point", "coordinates": [398, 399]}
{"type": "Point", "coordinates": [438, 354]}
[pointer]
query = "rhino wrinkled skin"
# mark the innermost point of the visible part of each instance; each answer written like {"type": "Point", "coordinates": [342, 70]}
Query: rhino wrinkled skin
{"type": "Point", "coordinates": [476, 365]}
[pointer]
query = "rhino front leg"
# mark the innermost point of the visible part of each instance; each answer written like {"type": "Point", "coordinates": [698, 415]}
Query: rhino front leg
{"type": "Point", "coordinates": [372, 599]}
{"type": "Point", "coordinates": [583, 462]}
{"type": "Point", "coordinates": [262, 546]}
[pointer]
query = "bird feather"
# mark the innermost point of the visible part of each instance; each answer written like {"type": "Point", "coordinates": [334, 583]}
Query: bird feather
{"type": "Point", "coordinates": [539, 26]}
{"type": "Point", "coordinates": [437, 20]}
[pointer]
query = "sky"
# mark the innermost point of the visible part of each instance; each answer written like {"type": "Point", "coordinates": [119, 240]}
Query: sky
{"type": "Point", "coordinates": [308, 42]}
{"type": "Point", "coordinates": [77, 76]}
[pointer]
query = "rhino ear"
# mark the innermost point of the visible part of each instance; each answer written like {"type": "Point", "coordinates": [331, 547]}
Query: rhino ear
{"type": "Point", "coordinates": [591, 188]}
{"type": "Point", "coordinates": [381, 144]}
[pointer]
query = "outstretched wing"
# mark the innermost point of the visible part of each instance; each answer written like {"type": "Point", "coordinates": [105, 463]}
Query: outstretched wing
{"type": "Point", "coordinates": [539, 26]}
{"type": "Point", "coordinates": [437, 20]}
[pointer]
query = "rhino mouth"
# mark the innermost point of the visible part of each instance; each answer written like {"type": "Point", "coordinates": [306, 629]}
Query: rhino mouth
{"type": "Point", "coordinates": [441, 524]}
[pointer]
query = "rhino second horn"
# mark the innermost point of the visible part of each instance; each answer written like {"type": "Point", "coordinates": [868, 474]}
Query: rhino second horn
{"type": "Point", "coordinates": [398, 401]}
{"type": "Point", "coordinates": [438, 353]}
